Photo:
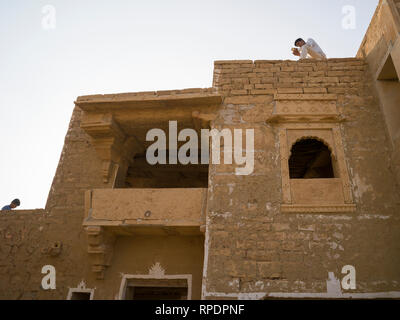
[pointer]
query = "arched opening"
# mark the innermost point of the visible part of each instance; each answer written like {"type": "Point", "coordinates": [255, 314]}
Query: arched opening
{"type": "Point", "coordinates": [310, 159]}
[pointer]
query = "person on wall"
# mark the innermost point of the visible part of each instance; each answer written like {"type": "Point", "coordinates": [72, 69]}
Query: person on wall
{"type": "Point", "coordinates": [15, 203]}
{"type": "Point", "coordinates": [309, 49]}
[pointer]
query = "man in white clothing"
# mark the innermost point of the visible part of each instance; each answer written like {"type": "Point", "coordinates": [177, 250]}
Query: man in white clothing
{"type": "Point", "coordinates": [309, 49]}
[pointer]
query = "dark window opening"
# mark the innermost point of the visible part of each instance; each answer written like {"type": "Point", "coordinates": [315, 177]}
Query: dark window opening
{"type": "Point", "coordinates": [310, 159]}
{"type": "Point", "coordinates": [80, 296]}
{"type": "Point", "coordinates": [141, 174]}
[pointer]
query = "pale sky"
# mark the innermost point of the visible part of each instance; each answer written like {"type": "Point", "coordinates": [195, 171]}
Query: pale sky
{"type": "Point", "coordinates": [97, 47]}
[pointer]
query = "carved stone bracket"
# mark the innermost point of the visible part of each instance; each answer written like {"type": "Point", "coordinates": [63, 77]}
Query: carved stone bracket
{"type": "Point", "coordinates": [100, 248]}
{"type": "Point", "coordinates": [110, 142]}
{"type": "Point", "coordinates": [107, 139]}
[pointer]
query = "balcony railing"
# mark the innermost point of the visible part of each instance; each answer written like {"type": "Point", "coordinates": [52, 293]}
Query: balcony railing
{"type": "Point", "coordinates": [147, 211]}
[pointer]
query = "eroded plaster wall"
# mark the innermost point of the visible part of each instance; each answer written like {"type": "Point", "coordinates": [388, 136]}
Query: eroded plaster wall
{"type": "Point", "coordinates": [31, 239]}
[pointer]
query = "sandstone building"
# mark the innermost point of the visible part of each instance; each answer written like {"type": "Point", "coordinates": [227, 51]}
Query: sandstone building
{"type": "Point", "coordinates": [324, 192]}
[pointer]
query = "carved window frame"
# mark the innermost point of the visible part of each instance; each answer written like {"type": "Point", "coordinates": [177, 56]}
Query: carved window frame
{"type": "Point", "coordinates": [337, 154]}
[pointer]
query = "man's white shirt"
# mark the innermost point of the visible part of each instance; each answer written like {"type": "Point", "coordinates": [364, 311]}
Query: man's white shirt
{"type": "Point", "coordinates": [313, 49]}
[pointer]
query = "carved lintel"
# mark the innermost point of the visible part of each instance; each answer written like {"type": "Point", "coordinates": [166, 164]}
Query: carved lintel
{"type": "Point", "coordinates": [100, 248]}
{"type": "Point", "coordinates": [305, 111]}
{"type": "Point", "coordinates": [277, 118]}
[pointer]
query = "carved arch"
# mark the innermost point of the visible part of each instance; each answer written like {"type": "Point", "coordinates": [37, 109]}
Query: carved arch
{"type": "Point", "coordinates": [311, 157]}
{"type": "Point", "coordinates": [328, 145]}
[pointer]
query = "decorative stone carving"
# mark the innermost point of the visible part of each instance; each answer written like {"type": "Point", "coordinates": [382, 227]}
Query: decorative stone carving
{"type": "Point", "coordinates": [332, 135]}
{"type": "Point", "coordinates": [100, 248]}
{"type": "Point", "coordinates": [112, 146]}
{"type": "Point", "coordinates": [157, 270]}
{"type": "Point", "coordinates": [305, 111]}
{"type": "Point", "coordinates": [317, 117]}
{"type": "Point", "coordinates": [81, 285]}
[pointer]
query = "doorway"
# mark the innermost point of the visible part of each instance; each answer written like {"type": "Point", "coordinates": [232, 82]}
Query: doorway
{"type": "Point", "coordinates": [173, 287]}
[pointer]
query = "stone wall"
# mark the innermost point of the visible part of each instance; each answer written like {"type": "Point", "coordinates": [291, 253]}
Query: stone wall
{"type": "Point", "coordinates": [382, 31]}
{"type": "Point", "coordinates": [251, 247]}
{"type": "Point", "coordinates": [20, 239]}
{"type": "Point", "coordinates": [381, 43]}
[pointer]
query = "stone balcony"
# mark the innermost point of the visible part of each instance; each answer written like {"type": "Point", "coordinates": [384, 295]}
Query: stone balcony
{"type": "Point", "coordinates": [147, 211]}
{"type": "Point", "coordinates": [129, 212]}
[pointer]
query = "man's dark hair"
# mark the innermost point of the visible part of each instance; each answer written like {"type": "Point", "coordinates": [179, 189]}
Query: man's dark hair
{"type": "Point", "coordinates": [16, 202]}
{"type": "Point", "coordinates": [297, 40]}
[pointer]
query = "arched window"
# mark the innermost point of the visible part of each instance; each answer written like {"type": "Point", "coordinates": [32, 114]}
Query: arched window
{"type": "Point", "coordinates": [310, 159]}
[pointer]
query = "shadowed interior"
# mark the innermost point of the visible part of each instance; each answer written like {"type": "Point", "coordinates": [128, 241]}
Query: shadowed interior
{"type": "Point", "coordinates": [310, 159]}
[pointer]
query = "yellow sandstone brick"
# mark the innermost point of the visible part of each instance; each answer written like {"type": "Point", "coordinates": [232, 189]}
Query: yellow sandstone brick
{"type": "Point", "coordinates": [308, 69]}
{"type": "Point", "coordinates": [288, 69]}
{"type": "Point", "coordinates": [264, 86]}
{"type": "Point", "coordinates": [263, 91]}
{"type": "Point", "coordinates": [268, 80]}
{"type": "Point", "coordinates": [238, 92]}
{"type": "Point", "coordinates": [248, 86]}
{"type": "Point", "coordinates": [285, 80]}
{"type": "Point", "coordinates": [317, 74]}
{"type": "Point", "coordinates": [290, 85]}
{"type": "Point", "coordinates": [315, 90]}
{"type": "Point", "coordinates": [243, 70]}
{"type": "Point", "coordinates": [255, 80]}
{"type": "Point", "coordinates": [290, 90]}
